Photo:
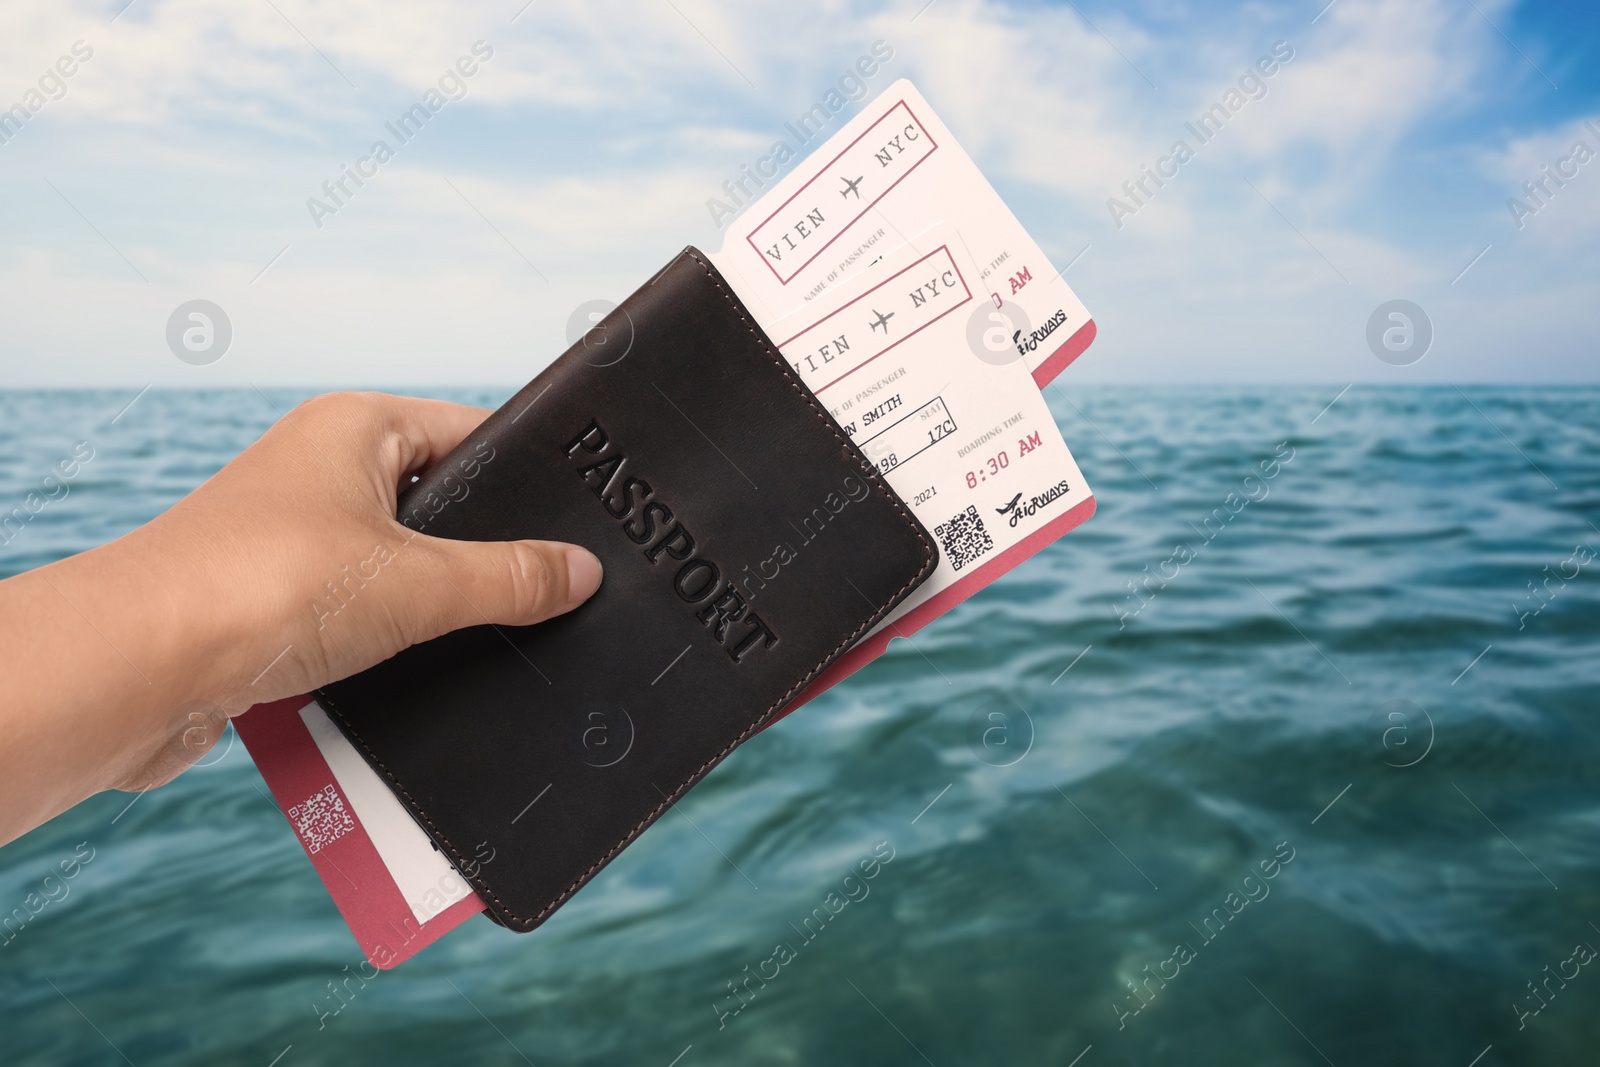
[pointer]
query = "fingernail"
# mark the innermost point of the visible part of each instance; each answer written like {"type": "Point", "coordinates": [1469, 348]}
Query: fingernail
{"type": "Point", "coordinates": [583, 575]}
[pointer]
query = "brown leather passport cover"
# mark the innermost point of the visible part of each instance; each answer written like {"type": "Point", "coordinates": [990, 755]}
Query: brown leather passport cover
{"type": "Point", "coordinates": [746, 544]}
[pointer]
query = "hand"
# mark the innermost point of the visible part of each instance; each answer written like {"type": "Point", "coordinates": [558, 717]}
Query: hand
{"type": "Point", "coordinates": [285, 571]}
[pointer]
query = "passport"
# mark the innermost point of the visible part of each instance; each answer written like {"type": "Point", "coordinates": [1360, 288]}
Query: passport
{"type": "Point", "coordinates": [685, 453]}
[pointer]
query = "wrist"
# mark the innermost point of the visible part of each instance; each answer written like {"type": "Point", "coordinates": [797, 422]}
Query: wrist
{"type": "Point", "coordinates": [157, 655]}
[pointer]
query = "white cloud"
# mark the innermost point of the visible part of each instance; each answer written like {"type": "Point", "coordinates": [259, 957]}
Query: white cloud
{"type": "Point", "coordinates": [596, 133]}
{"type": "Point", "coordinates": [1562, 210]}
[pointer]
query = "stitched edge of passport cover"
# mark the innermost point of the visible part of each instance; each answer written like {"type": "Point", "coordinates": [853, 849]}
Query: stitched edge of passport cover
{"type": "Point", "coordinates": [930, 560]}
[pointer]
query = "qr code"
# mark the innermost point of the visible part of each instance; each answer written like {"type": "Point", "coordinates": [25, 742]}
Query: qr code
{"type": "Point", "coordinates": [321, 819]}
{"type": "Point", "coordinates": [963, 537]}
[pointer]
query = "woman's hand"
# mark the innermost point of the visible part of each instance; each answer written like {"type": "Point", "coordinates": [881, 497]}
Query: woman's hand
{"type": "Point", "coordinates": [285, 571]}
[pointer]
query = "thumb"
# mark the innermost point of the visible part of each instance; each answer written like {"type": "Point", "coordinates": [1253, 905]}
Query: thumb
{"type": "Point", "coordinates": [509, 583]}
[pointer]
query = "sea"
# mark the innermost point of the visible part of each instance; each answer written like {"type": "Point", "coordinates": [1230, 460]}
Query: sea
{"type": "Point", "coordinates": [1288, 756]}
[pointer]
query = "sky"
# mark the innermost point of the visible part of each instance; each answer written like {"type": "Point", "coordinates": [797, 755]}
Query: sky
{"type": "Point", "coordinates": [177, 160]}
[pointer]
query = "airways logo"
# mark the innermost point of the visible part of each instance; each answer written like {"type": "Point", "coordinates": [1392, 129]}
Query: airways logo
{"type": "Point", "coordinates": [1018, 509]}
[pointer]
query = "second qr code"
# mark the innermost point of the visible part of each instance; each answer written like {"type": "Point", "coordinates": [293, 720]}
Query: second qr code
{"type": "Point", "coordinates": [963, 537]}
{"type": "Point", "coordinates": [321, 819]}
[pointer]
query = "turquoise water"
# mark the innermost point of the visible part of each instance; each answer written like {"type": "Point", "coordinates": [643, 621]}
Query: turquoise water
{"type": "Point", "coordinates": [1041, 859]}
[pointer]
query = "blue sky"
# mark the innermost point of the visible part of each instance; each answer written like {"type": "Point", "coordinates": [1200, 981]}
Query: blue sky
{"type": "Point", "coordinates": [178, 162]}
